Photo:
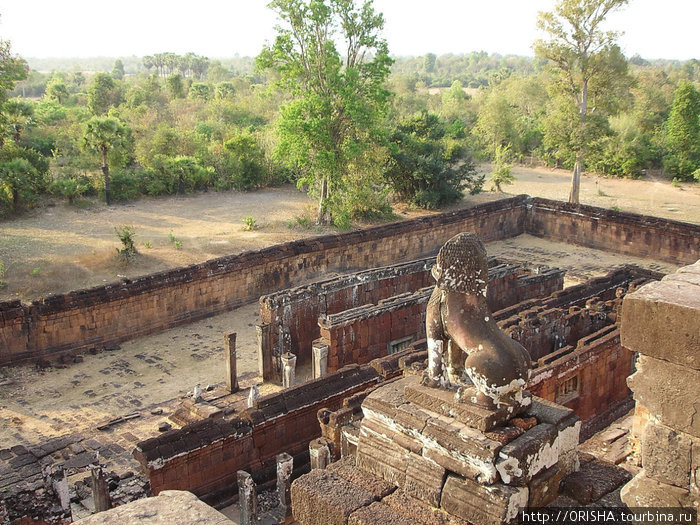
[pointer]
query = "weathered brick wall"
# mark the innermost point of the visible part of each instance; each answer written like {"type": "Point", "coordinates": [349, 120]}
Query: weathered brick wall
{"type": "Point", "coordinates": [149, 304]}
{"type": "Point", "coordinates": [292, 315]}
{"type": "Point", "coordinates": [203, 457]}
{"type": "Point", "coordinates": [600, 365]}
{"type": "Point", "coordinates": [613, 231]}
{"type": "Point", "coordinates": [543, 331]}
{"type": "Point", "coordinates": [362, 334]}
{"type": "Point", "coordinates": [661, 321]}
{"type": "Point", "coordinates": [359, 335]}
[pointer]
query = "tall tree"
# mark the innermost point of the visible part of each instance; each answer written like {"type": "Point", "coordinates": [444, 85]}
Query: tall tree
{"type": "Point", "coordinates": [339, 95]}
{"type": "Point", "coordinates": [102, 94]}
{"type": "Point", "coordinates": [683, 132]}
{"type": "Point", "coordinates": [586, 63]}
{"type": "Point", "coordinates": [103, 134]}
{"type": "Point", "coordinates": [118, 69]}
{"type": "Point", "coordinates": [12, 69]}
{"type": "Point", "coordinates": [57, 90]}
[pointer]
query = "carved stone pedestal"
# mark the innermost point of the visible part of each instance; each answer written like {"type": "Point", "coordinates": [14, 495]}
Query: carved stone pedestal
{"type": "Point", "coordinates": [430, 447]}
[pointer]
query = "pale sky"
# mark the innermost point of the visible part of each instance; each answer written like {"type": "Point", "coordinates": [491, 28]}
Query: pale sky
{"type": "Point", "coordinates": [223, 28]}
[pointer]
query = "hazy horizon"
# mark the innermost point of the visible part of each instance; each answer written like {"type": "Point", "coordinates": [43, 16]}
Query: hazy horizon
{"type": "Point", "coordinates": [74, 29]}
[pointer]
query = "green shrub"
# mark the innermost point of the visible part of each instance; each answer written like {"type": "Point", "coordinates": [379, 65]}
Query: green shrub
{"type": "Point", "coordinates": [501, 173]}
{"type": "Point", "coordinates": [125, 185]}
{"type": "Point", "coordinates": [245, 160]}
{"type": "Point", "coordinates": [249, 223]}
{"type": "Point", "coordinates": [126, 237]}
{"type": "Point", "coordinates": [69, 187]}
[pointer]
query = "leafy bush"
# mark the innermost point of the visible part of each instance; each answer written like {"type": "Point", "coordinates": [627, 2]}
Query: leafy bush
{"type": "Point", "coordinates": [245, 161]}
{"type": "Point", "coordinates": [425, 167]}
{"type": "Point", "coordinates": [126, 237]}
{"type": "Point", "coordinates": [249, 223]}
{"type": "Point", "coordinates": [69, 187]}
{"type": "Point", "coordinates": [501, 173]}
{"type": "Point", "coordinates": [125, 185]}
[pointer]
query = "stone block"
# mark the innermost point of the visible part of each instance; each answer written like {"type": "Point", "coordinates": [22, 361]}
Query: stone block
{"type": "Point", "coordinates": [482, 504]}
{"type": "Point", "coordinates": [546, 411]}
{"type": "Point", "coordinates": [458, 437]}
{"type": "Point", "coordinates": [504, 435]}
{"type": "Point", "coordinates": [424, 480]}
{"type": "Point", "coordinates": [524, 457]}
{"type": "Point", "coordinates": [443, 402]}
{"type": "Point", "coordinates": [594, 480]}
{"type": "Point", "coordinates": [378, 514]}
{"type": "Point", "coordinates": [568, 462]}
{"type": "Point", "coordinates": [379, 456]}
{"type": "Point", "coordinates": [669, 392]}
{"type": "Point", "coordinates": [661, 320]}
{"type": "Point", "coordinates": [346, 469]}
{"type": "Point", "coordinates": [643, 491]}
{"type": "Point", "coordinates": [419, 512]}
{"type": "Point", "coordinates": [170, 506]}
{"type": "Point", "coordinates": [544, 488]}
{"type": "Point", "coordinates": [402, 437]}
{"type": "Point", "coordinates": [666, 455]}
{"type": "Point", "coordinates": [385, 399]}
{"type": "Point", "coordinates": [322, 497]}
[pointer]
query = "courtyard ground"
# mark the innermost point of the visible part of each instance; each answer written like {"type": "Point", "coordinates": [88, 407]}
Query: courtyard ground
{"type": "Point", "coordinates": [74, 248]}
{"type": "Point", "coordinates": [61, 248]}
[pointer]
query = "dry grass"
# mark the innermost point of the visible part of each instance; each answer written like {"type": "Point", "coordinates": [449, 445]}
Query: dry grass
{"type": "Point", "coordinates": [63, 248]}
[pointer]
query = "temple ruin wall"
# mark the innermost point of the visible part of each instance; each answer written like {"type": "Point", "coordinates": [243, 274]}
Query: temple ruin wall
{"type": "Point", "coordinates": [109, 314]}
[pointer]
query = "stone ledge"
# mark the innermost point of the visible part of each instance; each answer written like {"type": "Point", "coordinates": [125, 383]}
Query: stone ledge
{"type": "Point", "coordinates": [170, 506]}
{"type": "Point", "coordinates": [661, 318]}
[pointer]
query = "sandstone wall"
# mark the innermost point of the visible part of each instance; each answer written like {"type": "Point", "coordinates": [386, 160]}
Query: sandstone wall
{"type": "Point", "coordinates": [131, 308]}
{"type": "Point", "coordinates": [614, 231]}
{"type": "Point", "coordinates": [120, 311]}
{"type": "Point", "coordinates": [661, 321]}
{"type": "Point", "coordinates": [203, 457]}
{"type": "Point", "coordinates": [600, 366]}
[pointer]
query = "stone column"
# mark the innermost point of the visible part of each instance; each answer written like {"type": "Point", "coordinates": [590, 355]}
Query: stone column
{"type": "Point", "coordinates": [264, 352]}
{"type": "Point", "coordinates": [59, 482]}
{"type": "Point", "coordinates": [289, 364]}
{"type": "Point", "coordinates": [285, 466]}
{"type": "Point", "coordinates": [661, 321]}
{"type": "Point", "coordinates": [100, 490]}
{"type": "Point", "coordinates": [320, 364]}
{"type": "Point", "coordinates": [230, 356]}
{"type": "Point", "coordinates": [319, 453]}
{"type": "Point", "coordinates": [253, 396]}
{"type": "Point", "coordinates": [247, 498]}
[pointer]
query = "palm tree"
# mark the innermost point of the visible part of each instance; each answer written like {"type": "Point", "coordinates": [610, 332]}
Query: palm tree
{"type": "Point", "coordinates": [17, 174]}
{"type": "Point", "coordinates": [101, 135]}
{"type": "Point", "coordinates": [18, 115]}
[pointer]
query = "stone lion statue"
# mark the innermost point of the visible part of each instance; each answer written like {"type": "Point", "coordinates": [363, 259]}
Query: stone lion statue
{"type": "Point", "coordinates": [465, 346]}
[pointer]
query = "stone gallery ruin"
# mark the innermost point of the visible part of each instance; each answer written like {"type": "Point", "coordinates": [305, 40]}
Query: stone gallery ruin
{"type": "Point", "coordinates": [519, 395]}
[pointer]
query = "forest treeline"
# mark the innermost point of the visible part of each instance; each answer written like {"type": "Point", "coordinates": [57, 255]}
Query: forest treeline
{"type": "Point", "coordinates": [171, 124]}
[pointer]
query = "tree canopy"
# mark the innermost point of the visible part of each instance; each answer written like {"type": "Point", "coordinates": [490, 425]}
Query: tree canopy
{"type": "Point", "coordinates": [588, 68]}
{"type": "Point", "coordinates": [339, 102]}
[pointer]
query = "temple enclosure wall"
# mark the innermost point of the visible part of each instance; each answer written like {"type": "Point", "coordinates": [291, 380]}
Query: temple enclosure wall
{"type": "Point", "coordinates": [109, 314]}
{"type": "Point", "coordinates": [203, 457]}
